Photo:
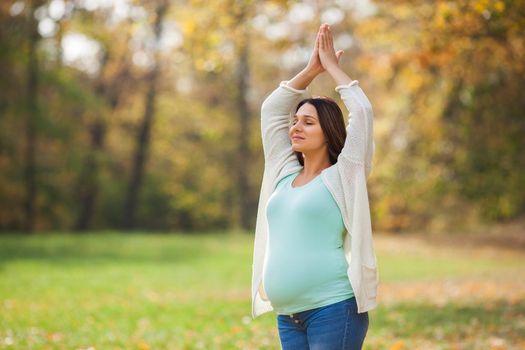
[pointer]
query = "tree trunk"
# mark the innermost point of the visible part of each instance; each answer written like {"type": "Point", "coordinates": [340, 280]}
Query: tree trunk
{"type": "Point", "coordinates": [243, 151]}
{"type": "Point", "coordinates": [143, 141]}
{"type": "Point", "coordinates": [89, 184]}
{"type": "Point", "coordinates": [88, 187]}
{"type": "Point", "coordinates": [30, 125]}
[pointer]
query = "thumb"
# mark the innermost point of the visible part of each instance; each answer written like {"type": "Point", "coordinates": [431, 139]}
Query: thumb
{"type": "Point", "coordinates": [338, 54]}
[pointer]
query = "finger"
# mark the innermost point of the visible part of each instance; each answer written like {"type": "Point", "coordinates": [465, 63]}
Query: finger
{"type": "Point", "coordinates": [330, 37]}
{"type": "Point", "coordinates": [317, 40]}
{"type": "Point", "coordinates": [324, 36]}
{"type": "Point", "coordinates": [329, 44]}
{"type": "Point", "coordinates": [338, 54]}
{"type": "Point", "coordinates": [323, 44]}
{"type": "Point", "coordinates": [322, 30]}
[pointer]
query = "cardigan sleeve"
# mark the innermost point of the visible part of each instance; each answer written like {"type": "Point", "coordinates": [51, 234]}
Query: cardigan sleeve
{"type": "Point", "coordinates": [359, 143]}
{"type": "Point", "coordinates": [276, 112]}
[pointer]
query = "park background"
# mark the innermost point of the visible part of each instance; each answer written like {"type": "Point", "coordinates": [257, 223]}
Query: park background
{"type": "Point", "coordinates": [131, 163]}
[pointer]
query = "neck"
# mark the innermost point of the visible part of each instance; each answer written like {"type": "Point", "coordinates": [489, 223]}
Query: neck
{"type": "Point", "coordinates": [315, 163]}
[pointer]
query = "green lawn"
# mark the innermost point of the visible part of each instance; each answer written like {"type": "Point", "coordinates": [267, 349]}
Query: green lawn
{"type": "Point", "coordinates": [154, 291]}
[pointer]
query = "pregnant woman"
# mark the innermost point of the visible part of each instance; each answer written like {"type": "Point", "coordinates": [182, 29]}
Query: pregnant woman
{"type": "Point", "coordinates": [314, 262]}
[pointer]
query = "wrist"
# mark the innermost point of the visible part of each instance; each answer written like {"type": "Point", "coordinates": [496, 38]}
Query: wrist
{"type": "Point", "coordinates": [333, 68]}
{"type": "Point", "coordinates": [339, 76]}
{"type": "Point", "coordinates": [311, 72]}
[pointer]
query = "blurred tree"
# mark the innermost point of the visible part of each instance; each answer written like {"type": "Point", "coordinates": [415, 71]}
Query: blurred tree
{"type": "Point", "coordinates": [13, 31]}
{"type": "Point", "coordinates": [454, 68]}
{"type": "Point", "coordinates": [228, 24]}
{"type": "Point", "coordinates": [106, 98]}
{"type": "Point", "coordinates": [242, 70]}
{"type": "Point", "coordinates": [109, 86]}
{"type": "Point", "coordinates": [32, 113]}
{"type": "Point", "coordinates": [144, 132]}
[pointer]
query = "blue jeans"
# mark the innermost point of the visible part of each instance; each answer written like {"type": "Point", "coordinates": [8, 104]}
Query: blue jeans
{"type": "Point", "coordinates": [336, 326]}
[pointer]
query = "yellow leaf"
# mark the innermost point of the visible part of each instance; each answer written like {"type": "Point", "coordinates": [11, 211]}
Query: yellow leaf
{"type": "Point", "coordinates": [143, 346]}
{"type": "Point", "coordinates": [499, 6]}
{"type": "Point", "coordinates": [398, 345]}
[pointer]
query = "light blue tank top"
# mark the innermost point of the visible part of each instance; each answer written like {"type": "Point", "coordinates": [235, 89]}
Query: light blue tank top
{"type": "Point", "coordinates": [305, 267]}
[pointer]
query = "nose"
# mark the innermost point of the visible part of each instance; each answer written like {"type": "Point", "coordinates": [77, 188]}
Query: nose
{"type": "Point", "coordinates": [295, 127]}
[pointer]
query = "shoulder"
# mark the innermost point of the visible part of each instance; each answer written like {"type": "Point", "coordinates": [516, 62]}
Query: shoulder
{"type": "Point", "coordinates": [286, 179]}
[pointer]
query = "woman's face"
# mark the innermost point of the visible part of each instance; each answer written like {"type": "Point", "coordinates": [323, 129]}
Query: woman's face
{"type": "Point", "coordinates": [305, 131]}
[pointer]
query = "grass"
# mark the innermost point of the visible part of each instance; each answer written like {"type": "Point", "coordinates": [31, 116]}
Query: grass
{"type": "Point", "coordinates": [155, 291]}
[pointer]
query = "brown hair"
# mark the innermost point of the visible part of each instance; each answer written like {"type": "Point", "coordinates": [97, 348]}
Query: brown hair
{"type": "Point", "coordinates": [332, 123]}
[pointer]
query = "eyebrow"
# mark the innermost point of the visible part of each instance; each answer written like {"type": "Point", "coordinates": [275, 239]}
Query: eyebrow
{"type": "Point", "coordinates": [306, 116]}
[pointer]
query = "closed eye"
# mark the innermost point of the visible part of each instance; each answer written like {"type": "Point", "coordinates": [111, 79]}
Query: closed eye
{"type": "Point", "coordinates": [293, 122]}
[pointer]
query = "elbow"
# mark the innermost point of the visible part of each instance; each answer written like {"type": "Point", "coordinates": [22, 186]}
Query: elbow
{"type": "Point", "coordinates": [369, 115]}
{"type": "Point", "coordinates": [368, 110]}
{"type": "Point", "coordinates": [266, 107]}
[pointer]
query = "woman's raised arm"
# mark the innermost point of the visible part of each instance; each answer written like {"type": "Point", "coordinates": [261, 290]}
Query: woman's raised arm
{"type": "Point", "coordinates": [359, 145]}
{"type": "Point", "coordinates": [277, 108]}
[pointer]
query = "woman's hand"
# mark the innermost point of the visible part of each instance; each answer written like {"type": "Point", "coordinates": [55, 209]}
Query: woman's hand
{"type": "Point", "coordinates": [315, 65]}
{"type": "Point", "coordinates": [329, 58]}
{"type": "Point", "coordinates": [327, 55]}
{"type": "Point", "coordinates": [320, 60]}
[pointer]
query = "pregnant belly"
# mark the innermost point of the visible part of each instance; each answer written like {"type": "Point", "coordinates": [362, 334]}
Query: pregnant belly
{"type": "Point", "coordinates": [289, 278]}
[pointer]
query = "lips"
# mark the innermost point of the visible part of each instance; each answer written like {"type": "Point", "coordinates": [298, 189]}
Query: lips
{"type": "Point", "coordinates": [296, 137]}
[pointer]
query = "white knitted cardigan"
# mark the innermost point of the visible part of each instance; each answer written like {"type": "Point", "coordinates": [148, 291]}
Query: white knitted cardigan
{"type": "Point", "coordinates": [346, 181]}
